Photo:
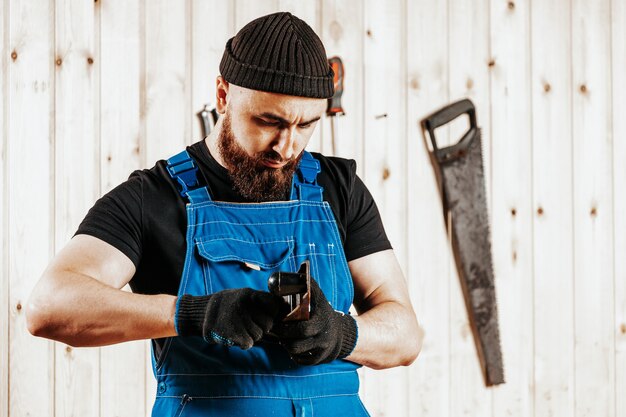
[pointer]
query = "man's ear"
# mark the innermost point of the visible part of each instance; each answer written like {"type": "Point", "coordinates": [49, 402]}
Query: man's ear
{"type": "Point", "coordinates": [221, 94]}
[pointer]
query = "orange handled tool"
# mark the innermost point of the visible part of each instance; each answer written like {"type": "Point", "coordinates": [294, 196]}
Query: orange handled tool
{"type": "Point", "coordinates": [334, 103]}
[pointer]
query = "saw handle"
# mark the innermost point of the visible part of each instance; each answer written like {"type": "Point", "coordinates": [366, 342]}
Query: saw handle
{"type": "Point", "coordinates": [446, 115]}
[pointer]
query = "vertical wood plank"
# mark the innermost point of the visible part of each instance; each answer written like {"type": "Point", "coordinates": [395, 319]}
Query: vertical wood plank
{"type": "Point", "coordinates": [4, 212]}
{"type": "Point", "coordinates": [384, 58]}
{"type": "Point", "coordinates": [512, 208]}
{"type": "Point", "coordinates": [310, 12]}
{"type": "Point", "coordinates": [469, 56]}
{"type": "Point", "coordinates": [120, 29]}
{"type": "Point", "coordinates": [429, 270]}
{"type": "Point", "coordinates": [248, 10]}
{"type": "Point", "coordinates": [552, 207]}
{"type": "Point", "coordinates": [593, 210]}
{"type": "Point", "coordinates": [77, 376]}
{"type": "Point", "coordinates": [342, 34]}
{"type": "Point", "coordinates": [618, 89]}
{"type": "Point", "coordinates": [122, 370]}
{"type": "Point", "coordinates": [167, 105]}
{"type": "Point", "coordinates": [30, 188]}
{"type": "Point", "coordinates": [213, 24]}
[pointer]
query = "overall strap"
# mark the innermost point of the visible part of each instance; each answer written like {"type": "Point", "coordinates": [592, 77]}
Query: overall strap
{"type": "Point", "coordinates": [184, 170]}
{"type": "Point", "coordinates": [304, 186]}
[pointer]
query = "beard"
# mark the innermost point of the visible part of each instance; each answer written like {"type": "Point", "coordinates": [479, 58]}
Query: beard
{"type": "Point", "coordinates": [251, 179]}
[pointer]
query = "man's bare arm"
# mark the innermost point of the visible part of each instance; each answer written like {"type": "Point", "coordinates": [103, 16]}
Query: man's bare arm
{"type": "Point", "coordinates": [78, 299]}
{"type": "Point", "coordinates": [389, 334]}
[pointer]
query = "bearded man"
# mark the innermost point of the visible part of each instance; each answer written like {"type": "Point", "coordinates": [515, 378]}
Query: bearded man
{"type": "Point", "coordinates": [198, 235]}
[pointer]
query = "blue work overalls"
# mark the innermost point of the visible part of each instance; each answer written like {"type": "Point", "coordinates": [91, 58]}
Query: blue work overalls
{"type": "Point", "coordinates": [236, 245]}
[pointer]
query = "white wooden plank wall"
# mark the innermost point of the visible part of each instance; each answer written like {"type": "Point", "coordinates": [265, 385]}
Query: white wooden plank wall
{"type": "Point", "coordinates": [94, 90]}
{"type": "Point", "coordinates": [594, 345]}
{"type": "Point", "coordinates": [4, 213]}
{"type": "Point", "coordinates": [618, 77]}
{"type": "Point", "coordinates": [553, 300]}
{"type": "Point", "coordinates": [29, 169]}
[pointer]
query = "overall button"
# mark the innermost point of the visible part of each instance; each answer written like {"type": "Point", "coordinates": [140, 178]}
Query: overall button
{"type": "Point", "coordinates": [162, 387]}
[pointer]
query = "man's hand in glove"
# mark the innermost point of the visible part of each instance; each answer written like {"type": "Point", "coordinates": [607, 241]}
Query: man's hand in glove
{"type": "Point", "coordinates": [238, 317]}
{"type": "Point", "coordinates": [326, 336]}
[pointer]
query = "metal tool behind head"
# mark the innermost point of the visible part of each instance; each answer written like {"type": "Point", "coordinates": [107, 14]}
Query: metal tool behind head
{"type": "Point", "coordinates": [295, 288]}
{"type": "Point", "coordinates": [208, 117]}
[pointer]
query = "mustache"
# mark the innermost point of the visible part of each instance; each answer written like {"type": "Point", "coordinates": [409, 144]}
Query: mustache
{"type": "Point", "coordinates": [275, 157]}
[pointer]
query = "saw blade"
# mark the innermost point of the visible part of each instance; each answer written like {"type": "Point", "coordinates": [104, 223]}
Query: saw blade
{"type": "Point", "coordinates": [465, 197]}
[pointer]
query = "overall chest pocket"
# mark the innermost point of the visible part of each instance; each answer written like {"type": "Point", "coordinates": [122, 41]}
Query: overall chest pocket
{"type": "Point", "coordinates": [237, 263]}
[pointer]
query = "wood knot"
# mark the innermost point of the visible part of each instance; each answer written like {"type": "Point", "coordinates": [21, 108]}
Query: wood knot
{"type": "Point", "coordinates": [18, 307]}
{"type": "Point", "coordinates": [13, 55]}
{"type": "Point", "coordinates": [469, 83]}
{"type": "Point", "coordinates": [583, 88]}
{"type": "Point", "coordinates": [491, 63]}
{"type": "Point", "coordinates": [513, 212]}
{"type": "Point", "coordinates": [547, 87]}
{"type": "Point", "coordinates": [386, 173]}
{"type": "Point", "coordinates": [540, 211]}
{"type": "Point", "coordinates": [368, 32]}
{"type": "Point", "coordinates": [59, 61]}
{"type": "Point", "coordinates": [68, 349]}
{"type": "Point", "coordinates": [622, 328]}
{"type": "Point", "coordinates": [336, 31]}
{"type": "Point", "coordinates": [414, 83]}
{"type": "Point", "coordinates": [593, 212]}
{"type": "Point", "coordinates": [511, 5]}
{"type": "Point", "coordinates": [90, 60]}
{"type": "Point", "coordinates": [109, 158]}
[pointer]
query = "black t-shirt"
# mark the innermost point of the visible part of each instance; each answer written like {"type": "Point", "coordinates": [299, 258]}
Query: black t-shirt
{"type": "Point", "coordinates": [145, 216]}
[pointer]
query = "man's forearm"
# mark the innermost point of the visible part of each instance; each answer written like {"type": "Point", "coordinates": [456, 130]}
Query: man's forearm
{"type": "Point", "coordinates": [389, 336]}
{"type": "Point", "coordinates": [78, 310]}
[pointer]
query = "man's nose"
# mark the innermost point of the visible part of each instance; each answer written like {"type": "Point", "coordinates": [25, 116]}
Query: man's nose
{"type": "Point", "coordinates": [285, 142]}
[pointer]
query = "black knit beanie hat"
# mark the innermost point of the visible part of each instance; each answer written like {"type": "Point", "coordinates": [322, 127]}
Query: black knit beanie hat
{"type": "Point", "coordinates": [278, 53]}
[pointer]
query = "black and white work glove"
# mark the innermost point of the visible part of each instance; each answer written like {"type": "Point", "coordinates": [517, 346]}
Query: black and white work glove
{"type": "Point", "coordinates": [327, 334]}
{"type": "Point", "coordinates": [237, 317]}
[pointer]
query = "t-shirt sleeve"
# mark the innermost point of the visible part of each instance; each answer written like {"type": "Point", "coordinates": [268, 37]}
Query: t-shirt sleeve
{"type": "Point", "coordinates": [116, 218]}
{"type": "Point", "coordinates": [365, 232]}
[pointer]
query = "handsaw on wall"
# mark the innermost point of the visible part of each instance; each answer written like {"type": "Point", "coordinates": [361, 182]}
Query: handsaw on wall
{"type": "Point", "coordinates": [460, 174]}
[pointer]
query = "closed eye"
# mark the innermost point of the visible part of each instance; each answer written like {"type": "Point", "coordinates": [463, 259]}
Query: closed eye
{"type": "Point", "coordinates": [268, 122]}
